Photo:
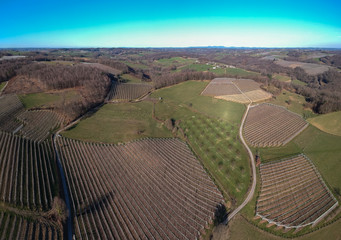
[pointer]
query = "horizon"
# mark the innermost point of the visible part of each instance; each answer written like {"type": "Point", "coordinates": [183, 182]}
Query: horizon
{"type": "Point", "coordinates": [81, 24]}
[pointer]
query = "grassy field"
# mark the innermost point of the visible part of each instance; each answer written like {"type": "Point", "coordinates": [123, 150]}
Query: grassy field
{"type": "Point", "coordinates": [298, 82]}
{"type": "Point", "coordinates": [38, 99]}
{"type": "Point", "coordinates": [115, 123]}
{"type": "Point", "coordinates": [282, 78]}
{"type": "Point", "coordinates": [136, 65]}
{"type": "Point", "coordinates": [177, 61]}
{"type": "Point", "coordinates": [130, 78]}
{"type": "Point", "coordinates": [34, 100]}
{"type": "Point", "coordinates": [211, 127]}
{"type": "Point", "coordinates": [330, 122]}
{"type": "Point", "coordinates": [2, 85]}
{"type": "Point", "coordinates": [187, 94]}
{"type": "Point", "coordinates": [293, 102]}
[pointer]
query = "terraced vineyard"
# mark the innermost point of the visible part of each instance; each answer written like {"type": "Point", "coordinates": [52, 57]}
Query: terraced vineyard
{"type": "Point", "coordinates": [10, 108]}
{"type": "Point", "coordinates": [128, 91]}
{"type": "Point", "coordinates": [148, 189]}
{"type": "Point", "coordinates": [16, 227]}
{"type": "Point", "coordinates": [293, 194]}
{"type": "Point", "coordinates": [236, 90]}
{"type": "Point", "coordinates": [27, 173]}
{"type": "Point", "coordinates": [269, 125]}
{"type": "Point", "coordinates": [38, 124]}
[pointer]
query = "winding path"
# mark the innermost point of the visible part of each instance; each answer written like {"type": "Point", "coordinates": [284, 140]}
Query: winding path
{"type": "Point", "coordinates": [253, 186]}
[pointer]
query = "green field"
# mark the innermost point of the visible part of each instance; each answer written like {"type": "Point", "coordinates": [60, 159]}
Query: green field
{"type": "Point", "coordinates": [115, 123]}
{"type": "Point", "coordinates": [38, 99]}
{"type": "Point", "coordinates": [282, 78]}
{"type": "Point", "coordinates": [177, 61]}
{"type": "Point", "coordinates": [330, 122]}
{"type": "Point", "coordinates": [187, 95]}
{"type": "Point", "coordinates": [136, 65]}
{"type": "Point", "coordinates": [293, 102]}
{"type": "Point", "coordinates": [128, 78]}
{"type": "Point", "coordinates": [2, 85]}
{"type": "Point", "coordinates": [298, 82]}
{"type": "Point", "coordinates": [211, 127]}
{"type": "Point", "coordinates": [34, 100]}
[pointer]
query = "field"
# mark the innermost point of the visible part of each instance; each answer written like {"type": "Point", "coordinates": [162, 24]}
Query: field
{"type": "Point", "coordinates": [293, 102]}
{"type": "Point", "coordinates": [154, 188]}
{"type": "Point", "coordinates": [2, 85]}
{"type": "Point", "coordinates": [37, 125]}
{"type": "Point", "coordinates": [269, 125]}
{"type": "Point", "coordinates": [329, 123]}
{"type": "Point", "coordinates": [122, 122]}
{"type": "Point", "coordinates": [239, 228]}
{"type": "Point", "coordinates": [10, 108]}
{"type": "Point", "coordinates": [28, 177]}
{"type": "Point", "coordinates": [16, 227]}
{"type": "Point", "coordinates": [282, 78]}
{"type": "Point", "coordinates": [128, 78]}
{"type": "Point", "coordinates": [127, 91]}
{"type": "Point", "coordinates": [103, 68]}
{"type": "Point", "coordinates": [310, 68]}
{"type": "Point", "coordinates": [175, 61]}
{"type": "Point", "coordinates": [47, 99]}
{"type": "Point", "coordinates": [236, 90]}
{"type": "Point", "coordinates": [292, 193]}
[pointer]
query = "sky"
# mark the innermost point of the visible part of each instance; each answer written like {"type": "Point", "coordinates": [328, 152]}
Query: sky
{"type": "Point", "coordinates": [239, 23]}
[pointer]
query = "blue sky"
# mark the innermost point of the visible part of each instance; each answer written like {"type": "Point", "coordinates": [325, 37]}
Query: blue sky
{"type": "Point", "coordinates": [74, 23]}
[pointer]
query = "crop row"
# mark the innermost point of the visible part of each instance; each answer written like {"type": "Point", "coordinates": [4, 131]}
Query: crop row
{"type": "Point", "coordinates": [38, 124]}
{"type": "Point", "coordinates": [27, 173]}
{"type": "Point", "coordinates": [268, 125]}
{"type": "Point", "coordinates": [144, 189]}
{"type": "Point", "coordinates": [127, 91]}
{"type": "Point", "coordinates": [292, 193]}
{"type": "Point", "coordinates": [10, 108]}
{"type": "Point", "coordinates": [14, 227]}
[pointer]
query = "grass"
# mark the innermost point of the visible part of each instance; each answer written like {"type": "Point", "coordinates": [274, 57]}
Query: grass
{"type": "Point", "coordinates": [330, 122]}
{"type": "Point", "coordinates": [241, 229]}
{"type": "Point", "coordinates": [211, 127]}
{"type": "Point", "coordinates": [38, 99]}
{"type": "Point", "coordinates": [2, 85]}
{"type": "Point", "coordinates": [178, 61]}
{"type": "Point", "coordinates": [130, 78]}
{"type": "Point", "coordinates": [298, 82]}
{"type": "Point", "coordinates": [35, 100]}
{"type": "Point", "coordinates": [294, 103]}
{"type": "Point", "coordinates": [282, 78]}
{"type": "Point", "coordinates": [115, 123]}
{"type": "Point", "coordinates": [136, 65]}
{"type": "Point", "coordinates": [187, 94]}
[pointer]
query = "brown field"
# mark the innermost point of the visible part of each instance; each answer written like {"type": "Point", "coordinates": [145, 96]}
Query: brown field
{"type": "Point", "coordinates": [236, 90]}
{"type": "Point", "coordinates": [269, 125]}
{"type": "Point", "coordinates": [293, 193]}
{"type": "Point", "coordinates": [147, 189]}
{"type": "Point", "coordinates": [128, 91]}
{"type": "Point", "coordinates": [10, 108]}
{"type": "Point", "coordinates": [310, 68]}
{"type": "Point", "coordinates": [104, 68]}
{"type": "Point", "coordinates": [38, 124]}
{"type": "Point", "coordinates": [27, 173]}
{"type": "Point", "coordinates": [16, 227]}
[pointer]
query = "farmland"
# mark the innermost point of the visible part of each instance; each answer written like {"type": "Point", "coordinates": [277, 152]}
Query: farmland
{"type": "Point", "coordinates": [236, 90]}
{"type": "Point", "coordinates": [16, 227]}
{"type": "Point", "coordinates": [292, 193]}
{"type": "Point", "coordinates": [28, 176]}
{"type": "Point", "coordinates": [126, 91]}
{"type": "Point", "coordinates": [269, 125]}
{"type": "Point", "coordinates": [136, 191]}
{"type": "Point", "coordinates": [329, 123]}
{"type": "Point", "coordinates": [10, 108]}
{"type": "Point", "coordinates": [310, 68]}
